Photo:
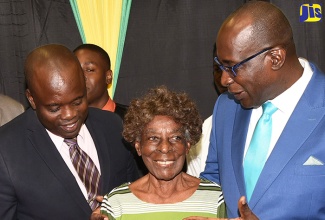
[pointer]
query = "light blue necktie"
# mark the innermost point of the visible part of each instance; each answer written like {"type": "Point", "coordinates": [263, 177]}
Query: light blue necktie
{"type": "Point", "coordinates": [257, 151]}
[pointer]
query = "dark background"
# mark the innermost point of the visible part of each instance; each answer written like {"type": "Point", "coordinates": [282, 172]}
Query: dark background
{"type": "Point", "coordinates": [168, 42]}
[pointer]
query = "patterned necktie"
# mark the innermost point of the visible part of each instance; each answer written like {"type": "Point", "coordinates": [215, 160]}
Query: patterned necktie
{"type": "Point", "coordinates": [86, 170]}
{"type": "Point", "coordinates": [258, 149]}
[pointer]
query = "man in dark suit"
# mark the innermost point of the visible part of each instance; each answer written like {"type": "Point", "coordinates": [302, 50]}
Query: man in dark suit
{"type": "Point", "coordinates": [38, 180]}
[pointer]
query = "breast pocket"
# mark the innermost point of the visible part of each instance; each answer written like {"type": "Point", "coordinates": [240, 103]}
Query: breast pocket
{"type": "Point", "coordinates": [310, 170]}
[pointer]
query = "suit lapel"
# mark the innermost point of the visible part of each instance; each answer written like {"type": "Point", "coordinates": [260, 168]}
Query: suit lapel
{"type": "Point", "coordinates": [302, 122]}
{"type": "Point", "coordinates": [238, 145]}
{"type": "Point", "coordinates": [47, 151]}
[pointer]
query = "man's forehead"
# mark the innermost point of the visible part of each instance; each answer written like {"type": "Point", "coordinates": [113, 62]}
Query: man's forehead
{"type": "Point", "coordinates": [239, 38]}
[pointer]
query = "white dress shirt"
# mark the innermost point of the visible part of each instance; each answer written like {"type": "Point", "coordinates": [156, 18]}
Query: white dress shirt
{"type": "Point", "coordinates": [286, 103]}
{"type": "Point", "coordinates": [86, 143]}
{"type": "Point", "coordinates": [198, 153]}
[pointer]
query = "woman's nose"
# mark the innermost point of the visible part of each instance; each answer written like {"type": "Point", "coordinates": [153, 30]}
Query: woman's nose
{"type": "Point", "coordinates": [164, 146]}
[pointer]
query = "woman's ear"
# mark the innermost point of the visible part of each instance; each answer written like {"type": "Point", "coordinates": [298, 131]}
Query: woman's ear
{"type": "Point", "coordinates": [188, 147]}
{"type": "Point", "coordinates": [278, 57]}
{"type": "Point", "coordinates": [137, 147]}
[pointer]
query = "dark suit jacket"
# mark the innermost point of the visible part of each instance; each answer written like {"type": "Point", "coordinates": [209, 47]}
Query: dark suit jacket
{"type": "Point", "coordinates": [35, 182]}
{"type": "Point", "coordinates": [121, 109]}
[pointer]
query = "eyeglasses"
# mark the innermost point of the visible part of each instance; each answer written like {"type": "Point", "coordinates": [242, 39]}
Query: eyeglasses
{"type": "Point", "coordinates": [231, 69]}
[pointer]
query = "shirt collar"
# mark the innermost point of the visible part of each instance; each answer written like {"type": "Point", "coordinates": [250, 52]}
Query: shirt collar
{"type": "Point", "coordinates": [287, 101]}
{"type": "Point", "coordinates": [57, 140]}
{"type": "Point", "coordinates": [109, 106]}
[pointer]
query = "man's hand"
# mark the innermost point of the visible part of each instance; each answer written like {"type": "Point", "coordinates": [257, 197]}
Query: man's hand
{"type": "Point", "coordinates": [245, 212]}
{"type": "Point", "coordinates": [96, 213]}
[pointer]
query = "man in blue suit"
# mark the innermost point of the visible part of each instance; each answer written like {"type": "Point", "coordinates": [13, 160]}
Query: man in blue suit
{"type": "Point", "coordinates": [256, 51]}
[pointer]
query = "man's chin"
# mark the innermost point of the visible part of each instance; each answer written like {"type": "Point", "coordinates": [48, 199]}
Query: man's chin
{"type": "Point", "coordinates": [245, 104]}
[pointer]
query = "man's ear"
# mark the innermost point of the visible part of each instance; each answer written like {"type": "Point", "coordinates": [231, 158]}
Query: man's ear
{"type": "Point", "coordinates": [137, 147]}
{"type": "Point", "coordinates": [109, 76]}
{"type": "Point", "coordinates": [30, 99]}
{"type": "Point", "coordinates": [278, 57]}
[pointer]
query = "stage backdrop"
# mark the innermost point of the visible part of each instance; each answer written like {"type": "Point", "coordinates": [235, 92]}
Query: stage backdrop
{"type": "Point", "coordinates": [151, 42]}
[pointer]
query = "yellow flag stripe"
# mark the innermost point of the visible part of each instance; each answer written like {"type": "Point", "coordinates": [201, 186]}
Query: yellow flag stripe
{"type": "Point", "coordinates": [101, 24]}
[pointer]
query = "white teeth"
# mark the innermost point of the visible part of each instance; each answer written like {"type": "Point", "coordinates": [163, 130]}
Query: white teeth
{"type": "Point", "coordinates": [70, 126]}
{"type": "Point", "coordinates": [164, 162]}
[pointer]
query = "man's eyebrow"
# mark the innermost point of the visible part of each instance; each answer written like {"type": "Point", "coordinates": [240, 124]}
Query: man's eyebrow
{"type": "Point", "coordinates": [52, 104]}
{"type": "Point", "coordinates": [227, 62]}
{"type": "Point", "coordinates": [57, 104]}
{"type": "Point", "coordinates": [79, 97]}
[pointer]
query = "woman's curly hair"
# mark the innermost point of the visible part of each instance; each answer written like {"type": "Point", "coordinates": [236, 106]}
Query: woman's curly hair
{"type": "Point", "coordinates": [162, 101]}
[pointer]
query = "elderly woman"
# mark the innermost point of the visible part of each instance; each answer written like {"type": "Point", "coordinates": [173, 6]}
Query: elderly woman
{"type": "Point", "coordinates": [162, 126]}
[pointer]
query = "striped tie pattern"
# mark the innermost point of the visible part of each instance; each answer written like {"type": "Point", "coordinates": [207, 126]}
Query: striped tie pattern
{"type": "Point", "coordinates": [86, 170]}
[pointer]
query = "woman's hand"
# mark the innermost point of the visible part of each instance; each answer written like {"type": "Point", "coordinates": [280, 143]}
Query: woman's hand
{"type": "Point", "coordinates": [245, 213]}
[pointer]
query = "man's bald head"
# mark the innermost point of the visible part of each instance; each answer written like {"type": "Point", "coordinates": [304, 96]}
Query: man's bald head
{"type": "Point", "coordinates": [45, 61]}
{"type": "Point", "coordinates": [267, 23]}
{"type": "Point", "coordinates": [256, 41]}
{"type": "Point", "coordinates": [56, 89]}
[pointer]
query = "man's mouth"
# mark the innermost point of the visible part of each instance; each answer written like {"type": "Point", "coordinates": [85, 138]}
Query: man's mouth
{"type": "Point", "coordinates": [70, 127]}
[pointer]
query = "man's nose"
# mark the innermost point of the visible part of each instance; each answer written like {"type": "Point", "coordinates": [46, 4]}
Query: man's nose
{"type": "Point", "coordinates": [68, 112]}
{"type": "Point", "coordinates": [226, 79]}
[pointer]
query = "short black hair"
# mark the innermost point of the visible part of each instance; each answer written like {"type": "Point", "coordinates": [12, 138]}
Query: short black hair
{"type": "Point", "coordinates": [97, 49]}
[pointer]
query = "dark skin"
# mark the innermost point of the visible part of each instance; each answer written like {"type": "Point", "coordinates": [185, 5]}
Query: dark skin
{"type": "Point", "coordinates": [267, 75]}
{"type": "Point", "coordinates": [262, 78]}
{"type": "Point", "coordinates": [217, 73]}
{"type": "Point", "coordinates": [98, 76]}
{"type": "Point", "coordinates": [56, 89]}
{"type": "Point", "coordinates": [279, 68]}
{"type": "Point", "coordinates": [163, 148]}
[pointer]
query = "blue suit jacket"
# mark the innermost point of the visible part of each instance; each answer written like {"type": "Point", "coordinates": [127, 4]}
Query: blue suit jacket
{"type": "Point", "coordinates": [286, 189]}
{"type": "Point", "coordinates": [35, 182]}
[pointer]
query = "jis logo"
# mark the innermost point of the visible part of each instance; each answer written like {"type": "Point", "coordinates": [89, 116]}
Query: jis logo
{"type": "Point", "coordinates": [310, 12]}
